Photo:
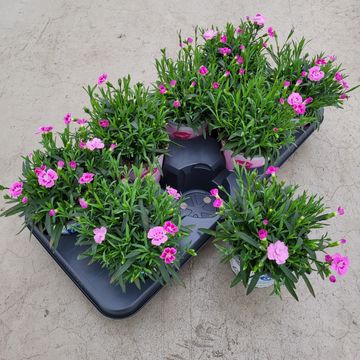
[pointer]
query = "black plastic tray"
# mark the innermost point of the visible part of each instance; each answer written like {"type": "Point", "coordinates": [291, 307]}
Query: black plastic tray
{"type": "Point", "coordinates": [192, 167]}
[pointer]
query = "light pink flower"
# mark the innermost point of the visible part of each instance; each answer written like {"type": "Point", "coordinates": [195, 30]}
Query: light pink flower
{"type": "Point", "coordinates": [265, 221]}
{"type": "Point", "coordinates": [271, 32]}
{"type": "Point", "coordinates": [112, 147]}
{"type": "Point", "coordinates": [258, 19]}
{"type": "Point", "coordinates": [81, 121]}
{"type": "Point", "coordinates": [340, 210]}
{"type": "Point", "coordinates": [25, 200]}
{"type": "Point", "coordinates": [300, 109]}
{"type": "Point", "coordinates": [168, 255]}
{"type": "Point", "coordinates": [282, 101]}
{"type": "Point", "coordinates": [262, 233]}
{"type": "Point", "coordinates": [242, 47]}
{"type": "Point", "coordinates": [286, 83]}
{"type": "Point", "coordinates": [203, 70]}
{"type": "Point", "coordinates": [158, 236]}
{"type": "Point", "coordinates": [241, 71]}
{"type": "Point", "coordinates": [272, 170]}
{"type": "Point", "coordinates": [218, 203]}
{"type": "Point", "coordinates": [45, 129]}
{"type": "Point", "coordinates": [332, 278]}
{"type": "Point", "coordinates": [95, 143]}
{"type": "Point", "coordinates": [338, 77]}
{"type": "Point", "coordinates": [332, 58]}
{"type": "Point", "coordinates": [224, 51]}
{"type": "Point", "coordinates": [315, 73]}
{"type": "Point", "coordinates": [99, 234]}
{"type": "Point", "coordinates": [189, 40]}
{"type": "Point", "coordinates": [298, 81]}
{"type": "Point", "coordinates": [294, 98]}
{"type": "Point", "coordinates": [82, 144]}
{"type": "Point", "coordinates": [52, 212]}
{"type": "Point", "coordinates": [308, 100]}
{"type": "Point", "coordinates": [215, 85]}
{"type": "Point", "coordinates": [303, 73]}
{"type": "Point", "coordinates": [16, 189]}
{"type": "Point", "coordinates": [83, 203]}
{"type": "Point", "coordinates": [209, 34]}
{"type": "Point", "coordinates": [320, 61]}
{"type": "Point", "coordinates": [172, 83]}
{"type": "Point", "coordinates": [239, 30]}
{"type": "Point", "coordinates": [343, 241]}
{"type": "Point", "coordinates": [173, 192]}
{"type": "Point", "coordinates": [239, 59]}
{"type": "Point", "coordinates": [102, 78]}
{"type": "Point", "coordinates": [193, 84]}
{"type": "Point", "coordinates": [278, 252]}
{"type": "Point", "coordinates": [223, 38]}
{"type": "Point", "coordinates": [227, 73]}
{"type": "Point", "coordinates": [47, 178]}
{"type": "Point", "coordinates": [86, 178]}
{"type": "Point", "coordinates": [170, 227]}
{"type": "Point", "coordinates": [176, 103]}
{"type": "Point", "coordinates": [104, 123]}
{"type": "Point", "coordinates": [162, 89]}
{"type": "Point", "coordinates": [340, 264]}
{"type": "Point", "coordinates": [67, 119]}
{"type": "Point", "coordinates": [60, 164]}
{"type": "Point", "coordinates": [214, 192]}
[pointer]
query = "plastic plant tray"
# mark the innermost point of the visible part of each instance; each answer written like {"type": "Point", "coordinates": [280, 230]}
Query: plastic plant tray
{"type": "Point", "coordinates": [192, 167]}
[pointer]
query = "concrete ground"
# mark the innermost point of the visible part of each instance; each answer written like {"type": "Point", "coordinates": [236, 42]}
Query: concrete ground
{"type": "Point", "coordinates": [48, 50]}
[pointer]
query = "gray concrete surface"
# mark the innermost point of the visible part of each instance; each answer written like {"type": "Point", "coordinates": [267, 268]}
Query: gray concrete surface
{"type": "Point", "coordinates": [48, 50]}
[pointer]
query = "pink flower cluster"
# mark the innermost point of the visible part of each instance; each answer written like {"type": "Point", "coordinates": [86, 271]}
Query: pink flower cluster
{"type": "Point", "coordinates": [272, 170]}
{"type": "Point", "coordinates": [173, 192]}
{"type": "Point", "coordinates": [86, 178]}
{"type": "Point", "coordinates": [218, 202]}
{"type": "Point", "coordinates": [159, 234]}
{"type": "Point", "coordinates": [168, 255]}
{"type": "Point", "coordinates": [93, 144]}
{"type": "Point", "coordinates": [338, 263]}
{"type": "Point", "coordinates": [46, 178]}
{"type": "Point", "coordinates": [203, 70]}
{"type": "Point", "coordinates": [259, 20]}
{"type": "Point", "coordinates": [46, 129]}
{"type": "Point", "coordinates": [162, 89]}
{"type": "Point", "coordinates": [16, 189]}
{"type": "Point", "coordinates": [225, 51]}
{"type": "Point", "coordinates": [99, 234]}
{"type": "Point", "coordinates": [296, 101]}
{"type": "Point", "coordinates": [104, 123]}
{"type": "Point", "coordinates": [102, 78]}
{"type": "Point", "coordinates": [278, 251]}
{"type": "Point", "coordinates": [315, 73]}
{"type": "Point", "coordinates": [262, 233]}
{"type": "Point", "coordinates": [209, 34]}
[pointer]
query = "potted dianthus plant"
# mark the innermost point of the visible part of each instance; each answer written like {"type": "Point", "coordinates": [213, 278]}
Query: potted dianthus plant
{"type": "Point", "coordinates": [182, 85]}
{"type": "Point", "coordinates": [266, 233]}
{"type": "Point", "coordinates": [257, 80]}
{"type": "Point", "coordinates": [55, 181]}
{"type": "Point", "coordinates": [130, 122]}
{"type": "Point", "coordinates": [133, 229]}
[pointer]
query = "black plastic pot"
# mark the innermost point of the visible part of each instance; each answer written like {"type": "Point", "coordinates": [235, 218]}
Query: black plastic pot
{"type": "Point", "coordinates": [193, 167]}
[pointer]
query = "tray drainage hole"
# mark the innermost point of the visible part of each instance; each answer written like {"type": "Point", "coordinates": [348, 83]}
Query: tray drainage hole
{"type": "Point", "coordinates": [207, 200]}
{"type": "Point", "coordinates": [183, 206]}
